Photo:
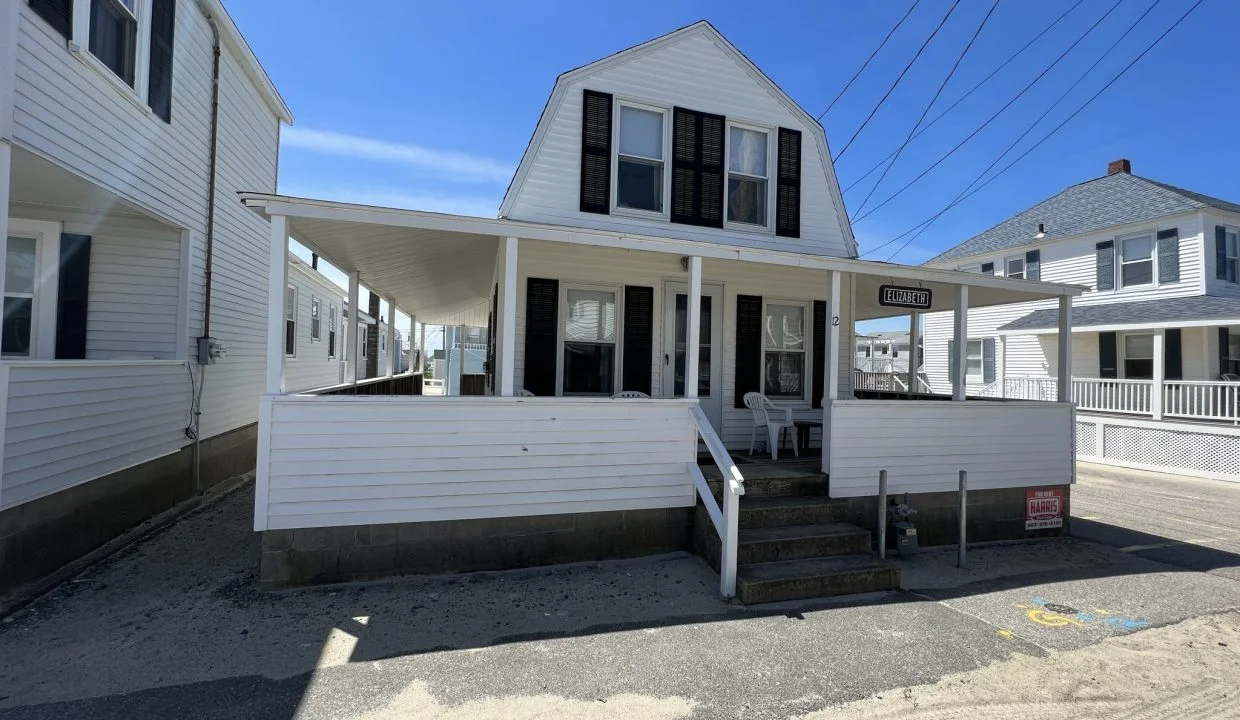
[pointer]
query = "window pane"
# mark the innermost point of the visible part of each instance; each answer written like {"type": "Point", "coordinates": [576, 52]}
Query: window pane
{"type": "Point", "coordinates": [19, 265]}
{"type": "Point", "coordinates": [1139, 273]}
{"type": "Point", "coordinates": [113, 33]}
{"type": "Point", "coordinates": [973, 349]}
{"type": "Point", "coordinates": [784, 373]}
{"type": "Point", "coordinates": [589, 368]}
{"type": "Point", "coordinates": [1016, 268]}
{"type": "Point", "coordinates": [1138, 248]}
{"type": "Point", "coordinates": [681, 335]}
{"type": "Point", "coordinates": [785, 327]}
{"type": "Point", "coordinates": [1232, 244]}
{"type": "Point", "coordinates": [639, 185]}
{"type": "Point", "coordinates": [1139, 346]}
{"type": "Point", "coordinates": [290, 337]}
{"type": "Point", "coordinates": [746, 201]}
{"type": "Point", "coordinates": [15, 337]}
{"type": "Point", "coordinates": [1139, 369]}
{"type": "Point", "coordinates": [591, 316]}
{"type": "Point", "coordinates": [747, 151]}
{"type": "Point", "coordinates": [974, 367]}
{"type": "Point", "coordinates": [641, 133]}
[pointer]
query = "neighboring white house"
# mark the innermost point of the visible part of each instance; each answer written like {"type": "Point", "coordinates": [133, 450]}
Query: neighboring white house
{"type": "Point", "coordinates": [1156, 336]}
{"type": "Point", "coordinates": [885, 351]}
{"type": "Point", "coordinates": [314, 340]}
{"type": "Point", "coordinates": [120, 159]}
{"type": "Point", "coordinates": [675, 228]}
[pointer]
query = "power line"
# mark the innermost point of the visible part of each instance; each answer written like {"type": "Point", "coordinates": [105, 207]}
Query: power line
{"type": "Point", "coordinates": [950, 73]}
{"type": "Point", "coordinates": [994, 116]}
{"type": "Point", "coordinates": [973, 89]}
{"type": "Point", "coordinates": [895, 84]}
{"type": "Point", "coordinates": [866, 64]}
{"type": "Point", "coordinates": [926, 223]}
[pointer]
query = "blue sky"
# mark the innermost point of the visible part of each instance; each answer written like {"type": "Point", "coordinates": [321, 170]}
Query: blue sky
{"type": "Point", "coordinates": [430, 105]}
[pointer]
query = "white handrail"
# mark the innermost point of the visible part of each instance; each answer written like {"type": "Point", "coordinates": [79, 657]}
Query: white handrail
{"type": "Point", "coordinates": [727, 520]}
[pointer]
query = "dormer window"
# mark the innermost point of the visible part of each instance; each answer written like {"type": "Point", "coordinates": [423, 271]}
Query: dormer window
{"type": "Point", "coordinates": [748, 152]}
{"type": "Point", "coordinates": [639, 159]}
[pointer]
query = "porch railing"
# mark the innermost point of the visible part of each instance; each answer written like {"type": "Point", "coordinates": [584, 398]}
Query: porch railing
{"type": "Point", "coordinates": [727, 520]}
{"type": "Point", "coordinates": [1202, 400]}
{"type": "Point", "coordinates": [1189, 399]}
{"type": "Point", "coordinates": [406, 384]}
{"type": "Point", "coordinates": [866, 380]}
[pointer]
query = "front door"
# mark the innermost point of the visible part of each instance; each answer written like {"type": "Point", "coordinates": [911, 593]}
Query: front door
{"type": "Point", "coordinates": [710, 356]}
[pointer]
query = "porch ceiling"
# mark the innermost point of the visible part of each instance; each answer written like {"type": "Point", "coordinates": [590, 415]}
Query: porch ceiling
{"type": "Point", "coordinates": [37, 181]}
{"type": "Point", "coordinates": [943, 294]}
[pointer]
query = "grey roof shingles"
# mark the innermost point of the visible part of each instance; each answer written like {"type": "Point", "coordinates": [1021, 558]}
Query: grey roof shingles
{"type": "Point", "coordinates": [1097, 204]}
{"type": "Point", "coordinates": [1141, 313]}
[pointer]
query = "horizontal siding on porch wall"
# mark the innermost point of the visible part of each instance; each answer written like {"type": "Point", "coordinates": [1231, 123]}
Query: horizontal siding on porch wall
{"type": "Point", "coordinates": [605, 266]}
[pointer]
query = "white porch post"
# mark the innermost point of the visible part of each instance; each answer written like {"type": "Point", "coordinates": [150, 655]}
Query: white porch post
{"type": "Point", "coordinates": [389, 358]}
{"type": "Point", "coordinates": [1065, 349]}
{"type": "Point", "coordinates": [914, 339]}
{"type": "Point", "coordinates": [506, 345]}
{"type": "Point", "coordinates": [277, 267]}
{"type": "Point", "coordinates": [831, 366]}
{"type": "Point", "coordinates": [422, 350]}
{"type": "Point", "coordinates": [962, 344]}
{"type": "Point", "coordinates": [693, 337]}
{"type": "Point", "coordinates": [1160, 374]}
{"type": "Point", "coordinates": [1001, 371]}
{"type": "Point", "coordinates": [355, 291]}
{"type": "Point", "coordinates": [413, 328]}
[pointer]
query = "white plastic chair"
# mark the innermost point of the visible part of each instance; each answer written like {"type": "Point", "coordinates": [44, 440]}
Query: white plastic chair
{"type": "Point", "coordinates": [523, 393]}
{"type": "Point", "coordinates": [763, 409]}
{"type": "Point", "coordinates": [630, 394]}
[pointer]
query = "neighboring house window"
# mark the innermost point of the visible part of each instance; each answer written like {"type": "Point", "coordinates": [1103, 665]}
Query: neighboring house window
{"type": "Point", "coordinates": [20, 263]}
{"type": "Point", "coordinates": [114, 36]}
{"type": "Point", "coordinates": [589, 347]}
{"type": "Point", "coordinates": [748, 151]}
{"type": "Point", "coordinates": [1231, 255]}
{"type": "Point", "coordinates": [290, 321]}
{"type": "Point", "coordinates": [974, 367]}
{"type": "Point", "coordinates": [315, 322]}
{"type": "Point", "coordinates": [1136, 260]}
{"type": "Point", "coordinates": [783, 344]}
{"type": "Point", "coordinates": [1139, 356]}
{"type": "Point", "coordinates": [1233, 354]}
{"type": "Point", "coordinates": [1014, 267]}
{"type": "Point", "coordinates": [639, 159]}
{"type": "Point", "coordinates": [331, 331]}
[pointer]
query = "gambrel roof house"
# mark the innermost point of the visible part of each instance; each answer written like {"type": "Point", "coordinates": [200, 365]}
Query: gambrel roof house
{"type": "Point", "coordinates": [671, 278]}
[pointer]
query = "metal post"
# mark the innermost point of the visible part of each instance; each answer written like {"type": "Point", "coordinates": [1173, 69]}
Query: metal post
{"type": "Point", "coordinates": [962, 514]}
{"type": "Point", "coordinates": [882, 514]}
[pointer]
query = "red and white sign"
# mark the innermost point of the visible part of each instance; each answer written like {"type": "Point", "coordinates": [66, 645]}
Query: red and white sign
{"type": "Point", "coordinates": [1043, 509]}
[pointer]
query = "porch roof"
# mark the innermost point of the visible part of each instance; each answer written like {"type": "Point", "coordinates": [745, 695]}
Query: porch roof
{"type": "Point", "coordinates": [441, 266]}
{"type": "Point", "coordinates": [1198, 311]}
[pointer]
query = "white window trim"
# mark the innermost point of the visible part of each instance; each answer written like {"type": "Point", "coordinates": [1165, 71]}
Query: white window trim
{"type": "Point", "coordinates": [1120, 262]}
{"type": "Point", "coordinates": [1122, 350]}
{"type": "Point", "coordinates": [618, 362]}
{"type": "Point", "coordinates": [1228, 257]}
{"type": "Point", "coordinates": [290, 314]}
{"type": "Point", "coordinates": [47, 279]}
{"type": "Point", "coordinates": [1024, 265]}
{"type": "Point", "coordinates": [80, 47]}
{"type": "Point", "coordinates": [362, 333]}
{"type": "Point", "coordinates": [666, 213]}
{"type": "Point", "coordinates": [316, 304]}
{"type": "Point", "coordinates": [807, 381]}
{"type": "Point", "coordinates": [771, 158]}
{"type": "Point", "coordinates": [980, 377]}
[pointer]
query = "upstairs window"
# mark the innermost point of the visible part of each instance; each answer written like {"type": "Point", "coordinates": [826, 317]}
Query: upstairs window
{"type": "Point", "coordinates": [315, 322]}
{"type": "Point", "coordinates": [290, 321]}
{"type": "Point", "coordinates": [1014, 267]}
{"type": "Point", "coordinates": [783, 346]}
{"type": "Point", "coordinates": [1231, 256]}
{"type": "Point", "coordinates": [747, 175]}
{"type": "Point", "coordinates": [114, 36]}
{"type": "Point", "coordinates": [1137, 260]}
{"type": "Point", "coordinates": [589, 350]}
{"type": "Point", "coordinates": [639, 159]}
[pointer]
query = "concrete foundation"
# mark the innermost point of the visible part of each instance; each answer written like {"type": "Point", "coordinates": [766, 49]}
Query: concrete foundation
{"type": "Point", "coordinates": [41, 536]}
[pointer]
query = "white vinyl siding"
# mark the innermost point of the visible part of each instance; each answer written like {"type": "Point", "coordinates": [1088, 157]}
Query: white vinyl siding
{"type": "Point", "coordinates": [314, 367]}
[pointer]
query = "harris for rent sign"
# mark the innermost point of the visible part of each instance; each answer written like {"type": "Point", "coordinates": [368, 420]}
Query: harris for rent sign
{"type": "Point", "coordinates": [1044, 509]}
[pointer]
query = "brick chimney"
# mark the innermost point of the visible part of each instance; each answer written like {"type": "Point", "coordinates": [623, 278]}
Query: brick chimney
{"type": "Point", "coordinates": [1119, 166]}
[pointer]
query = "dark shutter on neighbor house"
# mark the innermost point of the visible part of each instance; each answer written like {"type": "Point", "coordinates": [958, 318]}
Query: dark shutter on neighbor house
{"type": "Point", "coordinates": [1169, 255]}
{"type": "Point", "coordinates": [71, 296]}
{"type": "Point", "coordinates": [1033, 265]}
{"type": "Point", "coordinates": [788, 188]}
{"type": "Point", "coordinates": [1224, 351]}
{"type": "Point", "coordinates": [1220, 252]}
{"type": "Point", "coordinates": [697, 168]}
{"type": "Point", "coordinates": [1106, 265]}
{"type": "Point", "coordinates": [163, 28]}
{"type": "Point", "coordinates": [638, 338]}
{"type": "Point", "coordinates": [1108, 355]}
{"type": "Point", "coordinates": [595, 152]}
{"type": "Point", "coordinates": [542, 304]}
{"type": "Point", "coordinates": [57, 13]}
{"type": "Point", "coordinates": [988, 268]}
{"type": "Point", "coordinates": [748, 347]}
{"type": "Point", "coordinates": [820, 352]}
{"type": "Point", "coordinates": [1173, 355]}
{"type": "Point", "coordinates": [988, 359]}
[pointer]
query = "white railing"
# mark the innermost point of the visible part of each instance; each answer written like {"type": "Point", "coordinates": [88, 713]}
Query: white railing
{"type": "Point", "coordinates": [865, 380]}
{"type": "Point", "coordinates": [1202, 400]}
{"type": "Point", "coordinates": [727, 520]}
{"type": "Point", "coordinates": [1031, 388]}
{"type": "Point", "coordinates": [875, 365]}
{"type": "Point", "coordinates": [1112, 395]}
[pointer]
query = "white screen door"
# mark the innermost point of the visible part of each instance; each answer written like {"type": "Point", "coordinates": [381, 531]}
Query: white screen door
{"type": "Point", "coordinates": [710, 356]}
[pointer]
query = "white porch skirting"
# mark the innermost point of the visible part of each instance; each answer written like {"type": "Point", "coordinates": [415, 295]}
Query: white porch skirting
{"type": "Point", "coordinates": [1199, 449]}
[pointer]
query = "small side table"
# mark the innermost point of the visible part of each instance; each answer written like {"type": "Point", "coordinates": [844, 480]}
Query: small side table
{"type": "Point", "coordinates": [803, 428]}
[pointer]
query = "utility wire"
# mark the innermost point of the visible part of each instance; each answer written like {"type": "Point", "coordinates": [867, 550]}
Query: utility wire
{"type": "Point", "coordinates": [926, 223]}
{"type": "Point", "coordinates": [973, 89]}
{"type": "Point", "coordinates": [995, 116]}
{"type": "Point", "coordinates": [950, 74]}
{"type": "Point", "coordinates": [895, 84]}
{"type": "Point", "coordinates": [866, 64]}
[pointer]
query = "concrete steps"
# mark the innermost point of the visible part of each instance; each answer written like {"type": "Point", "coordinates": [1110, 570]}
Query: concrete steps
{"type": "Point", "coordinates": [765, 512]}
{"type": "Point", "coordinates": [814, 577]}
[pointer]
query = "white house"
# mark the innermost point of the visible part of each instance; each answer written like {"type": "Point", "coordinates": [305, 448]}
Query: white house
{"type": "Point", "coordinates": [314, 340]}
{"type": "Point", "coordinates": [126, 129]}
{"type": "Point", "coordinates": [675, 228]}
{"type": "Point", "coordinates": [1156, 346]}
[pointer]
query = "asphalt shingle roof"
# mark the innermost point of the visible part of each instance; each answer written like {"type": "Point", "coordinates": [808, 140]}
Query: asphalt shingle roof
{"type": "Point", "coordinates": [1146, 312]}
{"type": "Point", "coordinates": [1093, 205]}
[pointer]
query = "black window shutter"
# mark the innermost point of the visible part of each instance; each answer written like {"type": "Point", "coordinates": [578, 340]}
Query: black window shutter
{"type": "Point", "coordinates": [788, 188]}
{"type": "Point", "coordinates": [638, 338]}
{"type": "Point", "coordinates": [542, 304]}
{"type": "Point", "coordinates": [163, 29]}
{"type": "Point", "coordinates": [1173, 355]}
{"type": "Point", "coordinates": [1220, 252]}
{"type": "Point", "coordinates": [820, 352]}
{"type": "Point", "coordinates": [1169, 255]}
{"type": "Point", "coordinates": [951, 362]}
{"type": "Point", "coordinates": [71, 297]}
{"type": "Point", "coordinates": [1106, 265]}
{"type": "Point", "coordinates": [988, 359]}
{"type": "Point", "coordinates": [1108, 355]}
{"type": "Point", "coordinates": [1033, 265]}
{"type": "Point", "coordinates": [988, 268]}
{"type": "Point", "coordinates": [57, 13]}
{"type": "Point", "coordinates": [1224, 351]}
{"type": "Point", "coordinates": [596, 152]}
{"type": "Point", "coordinates": [748, 347]}
{"type": "Point", "coordinates": [697, 168]}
